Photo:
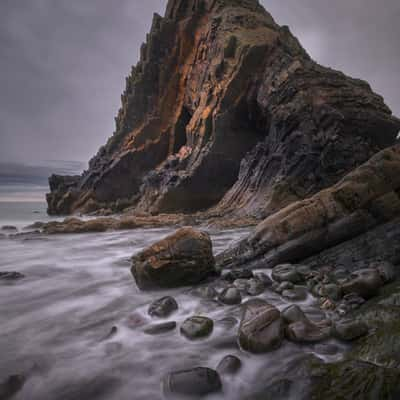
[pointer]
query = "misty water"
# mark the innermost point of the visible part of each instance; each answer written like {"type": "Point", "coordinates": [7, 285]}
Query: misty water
{"type": "Point", "coordinates": [55, 321]}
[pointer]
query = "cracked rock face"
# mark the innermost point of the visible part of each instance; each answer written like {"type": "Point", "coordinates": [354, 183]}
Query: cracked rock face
{"type": "Point", "coordinates": [226, 112]}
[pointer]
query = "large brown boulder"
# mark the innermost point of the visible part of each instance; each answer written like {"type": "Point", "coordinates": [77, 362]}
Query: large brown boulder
{"type": "Point", "coordinates": [181, 259]}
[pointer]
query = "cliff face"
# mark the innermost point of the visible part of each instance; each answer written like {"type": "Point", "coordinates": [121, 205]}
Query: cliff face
{"type": "Point", "coordinates": [226, 112]}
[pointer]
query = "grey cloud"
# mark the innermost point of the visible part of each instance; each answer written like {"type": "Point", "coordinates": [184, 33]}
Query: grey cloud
{"type": "Point", "coordinates": [63, 62]}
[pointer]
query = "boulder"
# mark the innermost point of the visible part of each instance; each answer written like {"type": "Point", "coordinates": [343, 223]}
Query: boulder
{"type": "Point", "coordinates": [197, 327]}
{"type": "Point", "coordinates": [198, 382]}
{"type": "Point", "coordinates": [230, 296]}
{"type": "Point", "coordinates": [261, 328]}
{"type": "Point", "coordinates": [181, 259]}
{"type": "Point", "coordinates": [229, 365]}
{"type": "Point", "coordinates": [231, 276]}
{"type": "Point", "coordinates": [163, 307]}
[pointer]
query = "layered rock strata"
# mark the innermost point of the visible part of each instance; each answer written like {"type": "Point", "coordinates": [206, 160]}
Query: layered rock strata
{"type": "Point", "coordinates": [226, 112]}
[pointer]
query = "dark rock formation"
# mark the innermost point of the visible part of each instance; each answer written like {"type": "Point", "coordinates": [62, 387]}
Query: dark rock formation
{"type": "Point", "coordinates": [180, 259]}
{"type": "Point", "coordinates": [221, 87]}
{"type": "Point", "coordinates": [349, 215]}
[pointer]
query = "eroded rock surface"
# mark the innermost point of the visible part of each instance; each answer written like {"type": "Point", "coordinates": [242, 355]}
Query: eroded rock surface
{"type": "Point", "coordinates": [221, 87]}
{"type": "Point", "coordinates": [180, 259]}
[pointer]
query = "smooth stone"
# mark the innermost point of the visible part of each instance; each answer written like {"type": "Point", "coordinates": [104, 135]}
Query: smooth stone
{"type": "Point", "coordinates": [230, 296]}
{"type": "Point", "coordinates": [365, 283]}
{"type": "Point", "coordinates": [198, 381]}
{"type": "Point", "coordinates": [261, 328]}
{"type": "Point", "coordinates": [295, 294]}
{"type": "Point", "coordinates": [349, 330]}
{"type": "Point", "coordinates": [11, 386]}
{"type": "Point", "coordinates": [293, 314]}
{"type": "Point", "coordinates": [158, 329]}
{"type": "Point", "coordinates": [306, 332]}
{"type": "Point", "coordinates": [229, 365]}
{"type": "Point", "coordinates": [254, 287]}
{"type": "Point", "coordinates": [163, 307]}
{"type": "Point", "coordinates": [197, 327]}
{"type": "Point", "coordinates": [10, 276]}
{"type": "Point", "coordinates": [234, 274]}
{"type": "Point", "coordinates": [286, 273]}
{"type": "Point", "coordinates": [264, 278]}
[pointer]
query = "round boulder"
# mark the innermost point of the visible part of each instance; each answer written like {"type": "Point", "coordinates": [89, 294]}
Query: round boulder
{"type": "Point", "coordinates": [261, 328]}
{"type": "Point", "coordinates": [197, 327]}
{"type": "Point", "coordinates": [349, 330]}
{"type": "Point", "coordinates": [193, 382]}
{"type": "Point", "coordinates": [181, 259]}
{"type": "Point", "coordinates": [230, 296]}
{"type": "Point", "coordinates": [229, 365]}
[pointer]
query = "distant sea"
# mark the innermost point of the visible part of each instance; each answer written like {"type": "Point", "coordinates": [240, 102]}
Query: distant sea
{"type": "Point", "coordinates": [23, 189]}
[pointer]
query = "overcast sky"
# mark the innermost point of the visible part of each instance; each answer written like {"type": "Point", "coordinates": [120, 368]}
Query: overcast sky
{"type": "Point", "coordinates": [63, 63]}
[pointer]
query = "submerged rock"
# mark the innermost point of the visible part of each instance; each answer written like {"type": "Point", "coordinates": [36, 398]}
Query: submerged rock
{"type": "Point", "coordinates": [158, 329]}
{"type": "Point", "coordinates": [235, 274]}
{"type": "Point", "coordinates": [230, 296]}
{"type": "Point", "coordinates": [181, 259]}
{"type": "Point", "coordinates": [229, 365]}
{"type": "Point", "coordinates": [11, 276]}
{"type": "Point", "coordinates": [163, 307]}
{"type": "Point", "coordinates": [193, 382]}
{"type": "Point", "coordinates": [261, 328]}
{"type": "Point", "coordinates": [254, 287]}
{"type": "Point", "coordinates": [197, 327]}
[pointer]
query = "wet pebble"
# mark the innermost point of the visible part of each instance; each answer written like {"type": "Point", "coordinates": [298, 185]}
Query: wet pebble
{"type": "Point", "coordinates": [163, 307]}
{"type": "Point", "coordinates": [230, 296]}
{"type": "Point", "coordinates": [197, 327]}
{"type": "Point", "coordinates": [229, 365]}
{"type": "Point", "coordinates": [198, 381]}
{"type": "Point", "coordinates": [158, 329]}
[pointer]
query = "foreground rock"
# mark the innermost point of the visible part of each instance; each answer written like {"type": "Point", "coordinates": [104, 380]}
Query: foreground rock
{"type": "Point", "coordinates": [366, 198]}
{"type": "Point", "coordinates": [229, 365]}
{"type": "Point", "coordinates": [261, 328]}
{"type": "Point", "coordinates": [193, 382]}
{"type": "Point", "coordinates": [197, 327]}
{"type": "Point", "coordinates": [163, 307]}
{"type": "Point", "coordinates": [181, 259]}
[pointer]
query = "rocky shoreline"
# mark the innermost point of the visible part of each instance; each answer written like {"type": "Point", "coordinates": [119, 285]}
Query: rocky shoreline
{"type": "Point", "coordinates": [227, 122]}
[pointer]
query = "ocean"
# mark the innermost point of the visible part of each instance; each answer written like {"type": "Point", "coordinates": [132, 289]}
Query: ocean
{"type": "Point", "coordinates": [55, 321]}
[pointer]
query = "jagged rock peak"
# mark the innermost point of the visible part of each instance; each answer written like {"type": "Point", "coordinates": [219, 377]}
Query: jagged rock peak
{"type": "Point", "coordinates": [221, 87]}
